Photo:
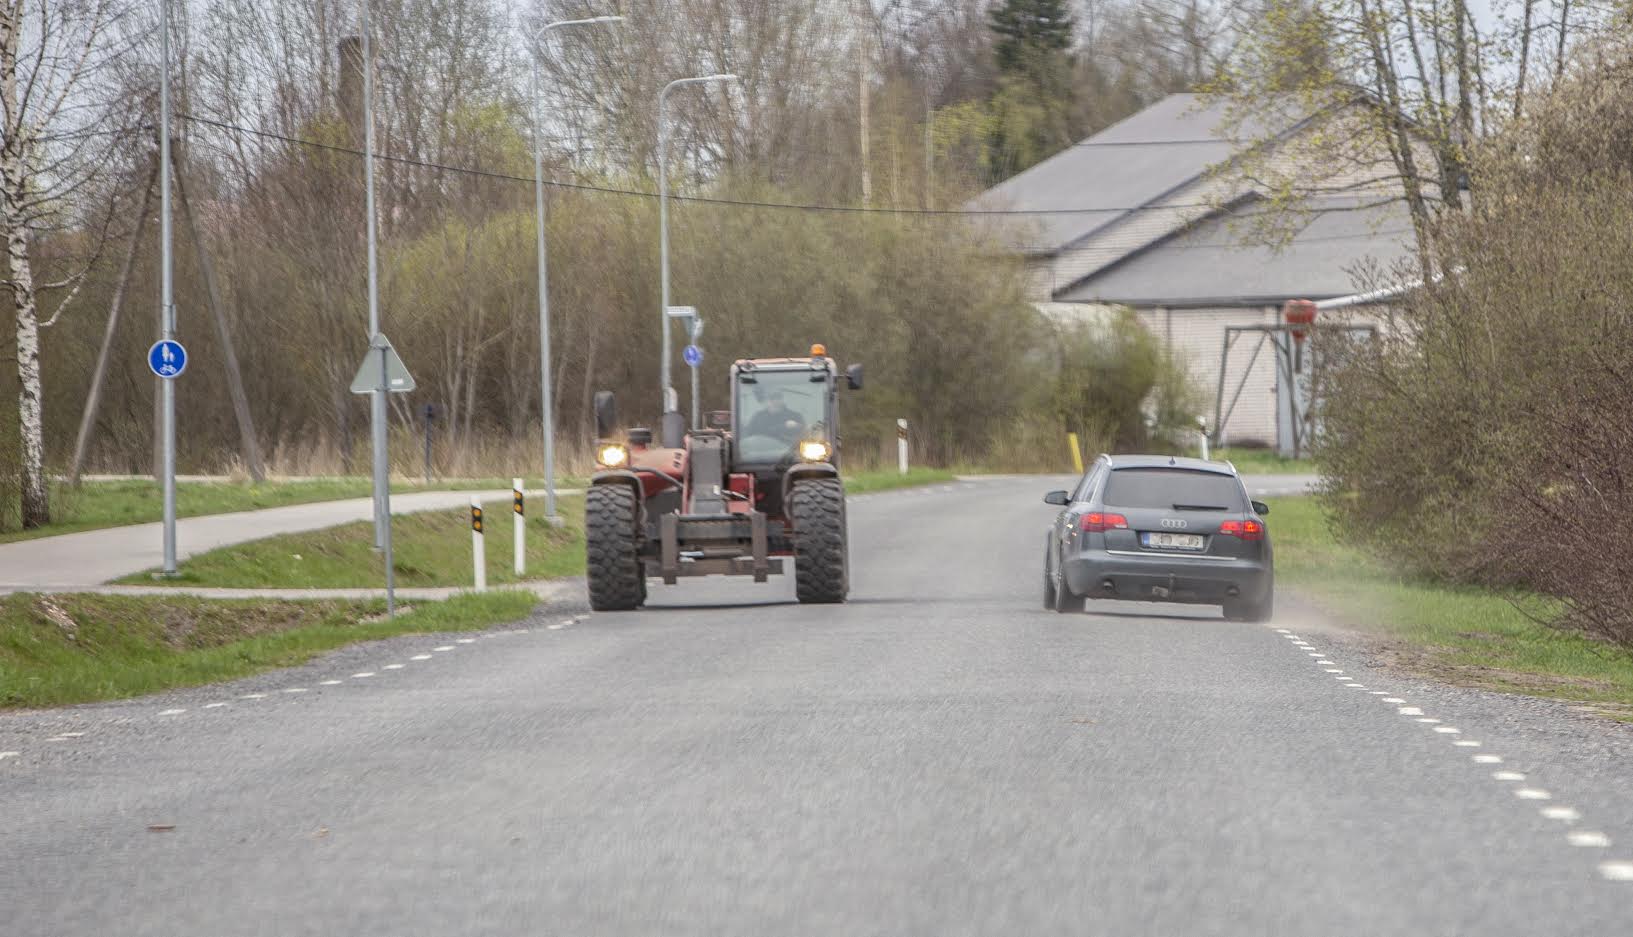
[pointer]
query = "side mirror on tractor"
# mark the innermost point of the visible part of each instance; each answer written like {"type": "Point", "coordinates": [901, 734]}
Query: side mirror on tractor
{"type": "Point", "coordinates": [853, 376]}
{"type": "Point", "coordinates": [606, 414]}
{"type": "Point", "coordinates": [720, 419]}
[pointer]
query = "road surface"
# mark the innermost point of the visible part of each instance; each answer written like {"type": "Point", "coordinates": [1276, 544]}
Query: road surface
{"type": "Point", "coordinates": [938, 757]}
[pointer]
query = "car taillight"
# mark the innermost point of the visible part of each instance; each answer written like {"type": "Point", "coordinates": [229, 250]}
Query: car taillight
{"type": "Point", "coordinates": [1247, 530]}
{"type": "Point", "coordinates": [1098, 523]}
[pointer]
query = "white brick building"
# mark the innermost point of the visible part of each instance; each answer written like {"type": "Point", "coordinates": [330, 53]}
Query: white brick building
{"type": "Point", "coordinates": [1141, 215]}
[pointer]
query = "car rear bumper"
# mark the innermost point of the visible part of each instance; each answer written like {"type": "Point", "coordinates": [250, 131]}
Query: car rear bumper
{"type": "Point", "coordinates": [1167, 578]}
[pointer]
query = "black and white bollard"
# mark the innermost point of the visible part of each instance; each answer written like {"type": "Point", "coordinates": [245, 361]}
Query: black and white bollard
{"type": "Point", "coordinates": [901, 446]}
{"type": "Point", "coordinates": [519, 514]}
{"type": "Point", "coordinates": [479, 552]}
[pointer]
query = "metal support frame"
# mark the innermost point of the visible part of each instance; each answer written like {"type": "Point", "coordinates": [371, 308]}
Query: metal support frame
{"type": "Point", "coordinates": [1286, 367]}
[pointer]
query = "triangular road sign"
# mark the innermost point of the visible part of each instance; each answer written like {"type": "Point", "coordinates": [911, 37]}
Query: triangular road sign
{"type": "Point", "coordinates": [370, 376]}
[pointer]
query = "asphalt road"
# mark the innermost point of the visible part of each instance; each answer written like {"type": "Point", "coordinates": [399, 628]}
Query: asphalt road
{"type": "Point", "coordinates": [938, 757]}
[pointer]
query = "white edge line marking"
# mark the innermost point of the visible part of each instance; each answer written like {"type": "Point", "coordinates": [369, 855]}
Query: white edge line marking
{"type": "Point", "coordinates": [1617, 871]}
{"type": "Point", "coordinates": [172, 712]}
{"type": "Point", "coordinates": [1587, 838]}
{"type": "Point", "coordinates": [1532, 793]}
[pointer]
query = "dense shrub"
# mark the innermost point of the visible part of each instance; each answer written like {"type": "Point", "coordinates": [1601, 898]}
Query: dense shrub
{"type": "Point", "coordinates": [1487, 439]}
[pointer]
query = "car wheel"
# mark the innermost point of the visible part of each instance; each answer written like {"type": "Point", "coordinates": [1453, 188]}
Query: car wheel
{"type": "Point", "coordinates": [1257, 612]}
{"type": "Point", "coordinates": [1048, 585]}
{"type": "Point", "coordinates": [1067, 601]}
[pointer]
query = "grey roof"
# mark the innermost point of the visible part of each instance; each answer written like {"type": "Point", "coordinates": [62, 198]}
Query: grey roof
{"type": "Point", "coordinates": [1114, 172]}
{"type": "Point", "coordinates": [1133, 460]}
{"type": "Point", "coordinates": [1213, 263]}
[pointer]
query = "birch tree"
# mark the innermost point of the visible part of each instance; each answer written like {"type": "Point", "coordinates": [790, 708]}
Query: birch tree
{"type": "Point", "coordinates": [54, 135]}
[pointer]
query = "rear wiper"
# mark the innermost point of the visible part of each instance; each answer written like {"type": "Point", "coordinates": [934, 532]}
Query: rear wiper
{"type": "Point", "coordinates": [1200, 507]}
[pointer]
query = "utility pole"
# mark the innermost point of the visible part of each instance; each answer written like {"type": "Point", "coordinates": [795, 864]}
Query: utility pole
{"type": "Point", "coordinates": [664, 380]}
{"type": "Point", "coordinates": [546, 400]}
{"type": "Point", "coordinates": [167, 294]}
{"type": "Point", "coordinates": [377, 400]}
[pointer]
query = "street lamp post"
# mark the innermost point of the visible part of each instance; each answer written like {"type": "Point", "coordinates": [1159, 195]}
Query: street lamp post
{"type": "Point", "coordinates": [668, 391]}
{"type": "Point", "coordinates": [546, 396]}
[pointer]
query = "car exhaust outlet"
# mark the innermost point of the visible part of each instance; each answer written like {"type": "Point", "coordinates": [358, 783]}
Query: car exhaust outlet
{"type": "Point", "coordinates": [1106, 585]}
{"type": "Point", "coordinates": [1233, 592]}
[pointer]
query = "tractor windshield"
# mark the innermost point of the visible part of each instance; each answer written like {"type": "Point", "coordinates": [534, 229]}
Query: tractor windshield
{"type": "Point", "coordinates": [778, 408]}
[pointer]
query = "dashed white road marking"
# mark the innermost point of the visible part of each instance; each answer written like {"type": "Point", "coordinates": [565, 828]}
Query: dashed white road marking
{"type": "Point", "coordinates": [76, 735]}
{"type": "Point", "coordinates": [1428, 720]}
{"type": "Point", "coordinates": [1411, 711]}
{"type": "Point", "coordinates": [1315, 653]}
{"type": "Point", "coordinates": [555, 627]}
{"type": "Point", "coordinates": [359, 676]}
{"type": "Point", "coordinates": [5, 755]}
{"type": "Point", "coordinates": [1448, 730]}
{"type": "Point", "coordinates": [330, 683]}
{"type": "Point", "coordinates": [172, 712]}
{"type": "Point", "coordinates": [1466, 743]}
{"type": "Point", "coordinates": [1324, 663]}
{"type": "Point", "coordinates": [1333, 670]}
{"type": "Point", "coordinates": [1356, 686]}
{"type": "Point", "coordinates": [1587, 838]}
{"type": "Point", "coordinates": [295, 689]}
{"type": "Point", "coordinates": [466, 641]}
{"type": "Point", "coordinates": [1568, 814]}
{"type": "Point", "coordinates": [1488, 759]}
{"type": "Point", "coordinates": [445, 647]}
{"type": "Point", "coordinates": [1380, 692]}
{"type": "Point", "coordinates": [393, 667]}
{"type": "Point", "coordinates": [421, 657]}
{"type": "Point", "coordinates": [214, 705]}
{"type": "Point", "coordinates": [1393, 699]}
{"type": "Point", "coordinates": [1507, 776]}
{"type": "Point", "coordinates": [253, 696]}
{"type": "Point", "coordinates": [1283, 631]}
{"type": "Point", "coordinates": [1532, 793]}
{"type": "Point", "coordinates": [1617, 871]}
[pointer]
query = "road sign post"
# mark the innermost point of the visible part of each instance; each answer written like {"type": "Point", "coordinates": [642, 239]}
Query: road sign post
{"type": "Point", "coordinates": [167, 359]}
{"type": "Point", "coordinates": [901, 446]}
{"type": "Point", "coordinates": [519, 514]}
{"type": "Point", "coordinates": [479, 552]}
{"type": "Point", "coordinates": [383, 372]}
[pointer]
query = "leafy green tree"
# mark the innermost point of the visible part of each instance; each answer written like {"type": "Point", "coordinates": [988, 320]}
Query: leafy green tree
{"type": "Point", "coordinates": [1034, 104]}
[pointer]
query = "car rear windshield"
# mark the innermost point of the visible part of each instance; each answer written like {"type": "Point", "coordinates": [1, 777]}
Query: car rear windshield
{"type": "Point", "coordinates": [1172, 489]}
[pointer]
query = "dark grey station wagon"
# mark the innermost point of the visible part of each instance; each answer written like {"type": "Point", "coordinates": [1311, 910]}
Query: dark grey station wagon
{"type": "Point", "coordinates": [1160, 529]}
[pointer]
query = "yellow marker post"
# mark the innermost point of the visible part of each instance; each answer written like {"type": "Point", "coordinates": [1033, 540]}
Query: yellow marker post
{"type": "Point", "coordinates": [1077, 452]}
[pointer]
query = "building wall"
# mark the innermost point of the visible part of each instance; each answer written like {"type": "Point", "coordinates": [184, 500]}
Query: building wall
{"type": "Point", "coordinates": [1196, 337]}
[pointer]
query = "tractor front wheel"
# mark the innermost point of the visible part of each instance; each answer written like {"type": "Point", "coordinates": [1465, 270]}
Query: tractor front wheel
{"type": "Point", "coordinates": [613, 563]}
{"type": "Point", "coordinates": [821, 574]}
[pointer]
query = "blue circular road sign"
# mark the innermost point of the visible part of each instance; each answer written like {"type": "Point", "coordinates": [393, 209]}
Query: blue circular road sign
{"type": "Point", "coordinates": [693, 355]}
{"type": "Point", "coordinates": [167, 358]}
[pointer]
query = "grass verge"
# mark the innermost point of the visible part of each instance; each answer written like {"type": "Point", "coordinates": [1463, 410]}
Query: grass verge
{"type": "Point", "coordinates": [61, 649]}
{"type": "Point", "coordinates": [1466, 636]}
{"type": "Point", "coordinates": [430, 548]}
{"type": "Point", "coordinates": [1264, 462]}
{"type": "Point", "coordinates": [96, 505]}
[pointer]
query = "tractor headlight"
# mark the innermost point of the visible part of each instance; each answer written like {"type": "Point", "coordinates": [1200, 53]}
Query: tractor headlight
{"type": "Point", "coordinates": [612, 455]}
{"type": "Point", "coordinates": [815, 450]}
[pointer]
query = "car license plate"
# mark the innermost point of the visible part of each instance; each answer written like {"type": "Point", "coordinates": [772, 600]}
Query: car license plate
{"type": "Point", "coordinates": [1164, 541]}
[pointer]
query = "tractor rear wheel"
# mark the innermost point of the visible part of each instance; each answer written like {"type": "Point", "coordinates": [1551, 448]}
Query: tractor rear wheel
{"type": "Point", "coordinates": [613, 563]}
{"type": "Point", "coordinates": [821, 574]}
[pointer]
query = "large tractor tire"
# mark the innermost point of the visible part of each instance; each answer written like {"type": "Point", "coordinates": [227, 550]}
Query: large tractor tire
{"type": "Point", "coordinates": [821, 566]}
{"type": "Point", "coordinates": [617, 579]}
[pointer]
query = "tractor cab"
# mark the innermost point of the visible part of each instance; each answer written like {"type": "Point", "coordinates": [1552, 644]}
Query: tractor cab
{"type": "Point", "coordinates": [786, 411]}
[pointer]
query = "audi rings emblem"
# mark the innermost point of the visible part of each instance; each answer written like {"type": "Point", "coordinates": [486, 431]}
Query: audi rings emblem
{"type": "Point", "coordinates": [1174, 523]}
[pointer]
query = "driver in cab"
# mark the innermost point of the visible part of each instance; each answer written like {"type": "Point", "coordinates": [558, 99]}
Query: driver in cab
{"type": "Point", "coordinates": [776, 420]}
